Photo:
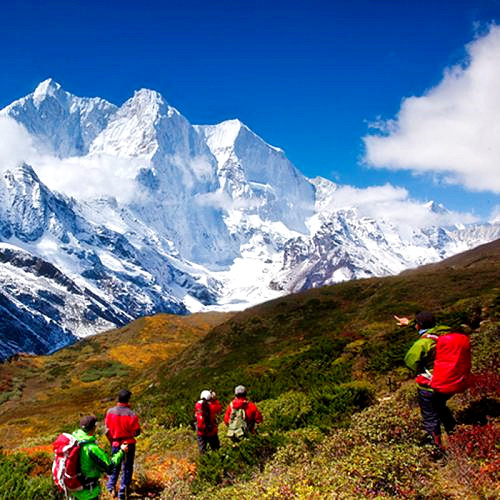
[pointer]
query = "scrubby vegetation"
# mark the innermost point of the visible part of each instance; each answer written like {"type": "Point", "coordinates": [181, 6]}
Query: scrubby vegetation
{"type": "Point", "coordinates": [25, 476]}
{"type": "Point", "coordinates": [325, 367]}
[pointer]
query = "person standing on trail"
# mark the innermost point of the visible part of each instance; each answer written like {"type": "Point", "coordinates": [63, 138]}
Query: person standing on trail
{"type": "Point", "coordinates": [242, 416]}
{"type": "Point", "coordinates": [441, 360]}
{"type": "Point", "coordinates": [93, 460]}
{"type": "Point", "coordinates": [205, 412]}
{"type": "Point", "coordinates": [122, 427]}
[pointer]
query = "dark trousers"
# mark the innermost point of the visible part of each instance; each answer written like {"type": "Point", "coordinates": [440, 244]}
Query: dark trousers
{"type": "Point", "coordinates": [127, 468]}
{"type": "Point", "coordinates": [435, 412]}
{"type": "Point", "coordinates": [213, 441]}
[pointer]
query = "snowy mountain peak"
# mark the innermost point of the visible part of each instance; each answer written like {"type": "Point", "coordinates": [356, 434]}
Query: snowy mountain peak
{"type": "Point", "coordinates": [59, 122]}
{"type": "Point", "coordinates": [141, 127]}
{"type": "Point", "coordinates": [436, 208]}
{"type": "Point", "coordinates": [148, 101]}
{"type": "Point", "coordinates": [46, 88]}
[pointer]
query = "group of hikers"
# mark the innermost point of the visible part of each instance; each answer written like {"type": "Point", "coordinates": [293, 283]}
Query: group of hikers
{"type": "Point", "coordinates": [439, 357]}
{"type": "Point", "coordinates": [79, 461]}
{"type": "Point", "coordinates": [241, 418]}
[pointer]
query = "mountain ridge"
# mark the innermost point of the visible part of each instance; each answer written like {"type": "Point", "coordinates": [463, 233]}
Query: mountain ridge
{"type": "Point", "coordinates": [154, 214]}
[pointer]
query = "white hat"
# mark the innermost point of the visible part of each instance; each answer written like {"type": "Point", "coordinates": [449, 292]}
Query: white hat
{"type": "Point", "coordinates": [239, 390]}
{"type": "Point", "coordinates": [206, 395]}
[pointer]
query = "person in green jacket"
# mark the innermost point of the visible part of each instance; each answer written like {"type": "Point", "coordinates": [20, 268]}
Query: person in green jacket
{"type": "Point", "coordinates": [93, 460]}
{"type": "Point", "coordinates": [420, 359]}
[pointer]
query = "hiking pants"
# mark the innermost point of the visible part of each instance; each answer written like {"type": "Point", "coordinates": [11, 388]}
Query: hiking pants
{"type": "Point", "coordinates": [127, 468]}
{"type": "Point", "coordinates": [435, 412]}
{"type": "Point", "coordinates": [213, 441]}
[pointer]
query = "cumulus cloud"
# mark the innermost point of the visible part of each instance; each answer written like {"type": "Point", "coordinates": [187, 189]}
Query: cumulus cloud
{"type": "Point", "coordinates": [80, 177]}
{"type": "Point", "coordinates": [454, 129]}
{"type": "Point", "coordinates": [86, 178]}
{"type": "Point", "coordinates": [393, 204]}
{"type": "Point", "coordinates": [16, 144]}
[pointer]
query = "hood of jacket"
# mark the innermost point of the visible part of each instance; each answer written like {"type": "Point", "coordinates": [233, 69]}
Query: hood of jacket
{"type": "Point", "coordinates": [81, 435]}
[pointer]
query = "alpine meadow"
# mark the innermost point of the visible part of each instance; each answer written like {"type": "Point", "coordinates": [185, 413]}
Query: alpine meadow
{"type": "Point", "coordinates": [325, 367]}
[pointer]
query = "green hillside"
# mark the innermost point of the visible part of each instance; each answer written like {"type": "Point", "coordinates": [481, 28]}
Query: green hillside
{"type": "Point", "coordinates": [324, 366]}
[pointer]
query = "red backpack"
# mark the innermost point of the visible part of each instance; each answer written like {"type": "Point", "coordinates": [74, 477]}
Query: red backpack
{"type": "Point", "coordinates": [453, 363]}
{"type": "Point", "coordinates": [66, 466]}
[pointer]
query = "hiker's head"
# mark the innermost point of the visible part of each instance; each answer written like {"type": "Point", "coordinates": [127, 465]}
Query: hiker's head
{"type": "Point", "coordinates": [240, 391]}
{"type": "Point", "coordinates": [124, 396]}
{"type": "Point", "coordinates": [206, 395]}
{"type": "Point", "coordinates": [425, 320]}
{"type": "Point", "coordinates": [88, 423]}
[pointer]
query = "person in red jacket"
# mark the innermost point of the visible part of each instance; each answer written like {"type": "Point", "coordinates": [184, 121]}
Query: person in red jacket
{"type": "Point", "coordinates": [205, 412]}
{"type": "Point", "coordinates": [122, 427]}
{"type": "Point", "coordinates": [252, 414]}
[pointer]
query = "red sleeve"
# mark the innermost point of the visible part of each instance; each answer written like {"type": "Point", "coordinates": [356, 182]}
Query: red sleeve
{"type": "Point", "coordinates": [253, 413]}
{"type": "Point", "coordinates": [215, 407]}
{"type": "Point", "coordinates": [136, 428]}
{"type": "Point", "coordinates": [227, 416]}
{"type": "Point", "coordinates": [107, 431]}
{"type": "Point", "coordinates": [258, 416]}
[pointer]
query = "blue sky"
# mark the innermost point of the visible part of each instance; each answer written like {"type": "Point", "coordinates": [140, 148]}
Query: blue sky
{"type": "Point", "coordinates": [308, 77]}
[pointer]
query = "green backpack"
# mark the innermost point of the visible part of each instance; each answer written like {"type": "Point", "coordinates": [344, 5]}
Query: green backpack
{"type": "Point", "coordinates": [238, 426]}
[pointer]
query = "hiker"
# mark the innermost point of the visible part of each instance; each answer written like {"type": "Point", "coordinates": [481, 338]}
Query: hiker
{"type": "Point", "coordinates": [441, 360]}
{"type": "Point", "coordinates": [205, 412]}
{"type": "Point", "coordinates": [122, 427]}
{"type": "Point", "coordinates": [93, 460]}
{"type": "Point", "coordinates": [242, 415]}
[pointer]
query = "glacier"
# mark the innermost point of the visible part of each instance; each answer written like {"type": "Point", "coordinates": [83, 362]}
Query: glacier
{"type": "Point", "coordinates": [131, 210]}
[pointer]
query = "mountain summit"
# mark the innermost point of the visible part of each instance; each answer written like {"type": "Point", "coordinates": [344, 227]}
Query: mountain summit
{"type": "Point", "coordinates": [213, 218]}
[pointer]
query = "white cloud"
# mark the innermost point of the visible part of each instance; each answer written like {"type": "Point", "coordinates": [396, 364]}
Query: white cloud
{"type": "Point", "coordinates": [393, 204]}
{"type": "Point", "coordinates": [80, 177]}
{"type": "Point", "coordinates": [16, 145]}
{"type": "Point", "coordinates": [495, 215]}
{"type": "Point", "coordinates": [86, 178]}
{"type": "Point", "coordinates": [452, 130]}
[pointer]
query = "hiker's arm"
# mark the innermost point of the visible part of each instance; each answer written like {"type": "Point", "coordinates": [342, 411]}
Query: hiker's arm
{"type": "Point", "coordinates": [414, 354]}
{"type": "Point", "coordinates": [403, 321]}
{"type": "Point", "coordinates": [136, 427]}
{"type": "Point", "coordinates": [107, 432]}
{"type": "Point", "coordinates": [227, 415]}
{"type": "Point", "coordinates": [258, 416]}
{"type": "Point", "coordinates": [102, 460]}
{"type": "Point", "coordinates": [216, 406]}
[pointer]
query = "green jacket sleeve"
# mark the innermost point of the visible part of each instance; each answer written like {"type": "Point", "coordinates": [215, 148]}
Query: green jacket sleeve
{"type": "Point", "coordinates": [102, 461]}
{"type": "Point", "coordinates": [417, 353]}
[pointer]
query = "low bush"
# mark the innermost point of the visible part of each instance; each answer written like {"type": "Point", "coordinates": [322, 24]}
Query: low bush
{"type": "Point", "coordinates": [26, 477]}
{"type": "Point", "coordinates": [104, 370]}
{"type": "Point", "coordinates": [236, 461]}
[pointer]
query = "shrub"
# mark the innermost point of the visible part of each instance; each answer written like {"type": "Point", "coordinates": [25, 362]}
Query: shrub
{"type": "Point", "coordinates": [26, 477]}
{"type": "Point", "coordinates": [104, 370]}
{"type": "Point", "coordinates": [473, 459]}
{"type": "Point", "coordinates": [288, 411]}
{"type": "Point", "coordinates": [333, 405]}
{"type": "Point", "coordinates": [228, 463]}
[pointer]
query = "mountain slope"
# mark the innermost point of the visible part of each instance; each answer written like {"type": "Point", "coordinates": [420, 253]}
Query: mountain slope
{"type": "Point", "coordinates": [325, 368]}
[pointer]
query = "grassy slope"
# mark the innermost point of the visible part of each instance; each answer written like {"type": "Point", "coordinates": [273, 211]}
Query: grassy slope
{"type": "Point", "coordinates": [309, 359]}
{"type": "Point", "coordinates": [265, 341]}
{"type": "Point", "coordinates": [48, 393]}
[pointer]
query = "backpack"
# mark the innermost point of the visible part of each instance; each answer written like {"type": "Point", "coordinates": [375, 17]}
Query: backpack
{"type": "Point", "coordinates": [203, 425]}
{"type": "Point", "coordinates": [452, 364]}
{"type": "Point", "coordinates": [238, 426]}
{"type": "Point", "coordinates": [66, 465]}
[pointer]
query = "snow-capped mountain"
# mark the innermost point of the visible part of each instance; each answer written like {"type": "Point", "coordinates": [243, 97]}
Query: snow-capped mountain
{"type": "Point", "coordinates": [166, 216]}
